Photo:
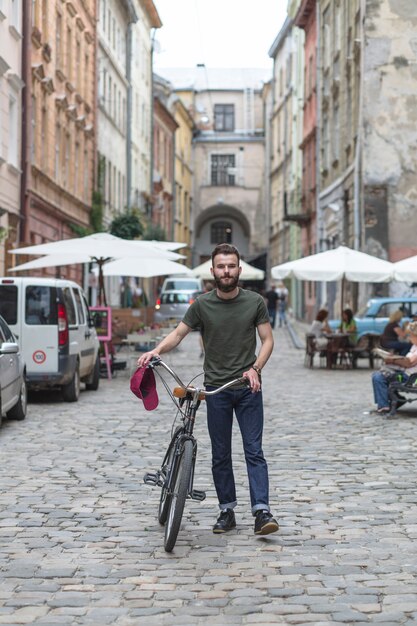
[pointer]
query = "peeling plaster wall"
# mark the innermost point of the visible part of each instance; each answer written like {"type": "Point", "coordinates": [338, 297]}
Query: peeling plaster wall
{"type": "Point", "coordinates": [390, 118]}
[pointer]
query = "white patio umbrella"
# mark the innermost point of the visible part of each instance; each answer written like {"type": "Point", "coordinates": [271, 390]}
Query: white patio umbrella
{"type": "Point", "coordinates": [248, 271]}
{"type": "Point", "coordinates": [342, 263]}
{"type": "Point", "coordinates": [98, 248]}
{"type": "Point", "coordinates": [144, 268]}
{"type": "Point", "coordinates": [406, 270]}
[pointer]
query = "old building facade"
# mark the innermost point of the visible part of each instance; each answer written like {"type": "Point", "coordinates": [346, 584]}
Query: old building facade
{"type": "Point", "coordinates": [141, 103]}
{"type": "Point", "coordinates": [229, 201]}
{"type": "Point", "coordinates": [304, 14]}
{"type": "Point", "coordinates": [11, 85]}
{"type": "Point", "coordinates": [286, 175]}
{"type": "Point", "coordinates": [59, 121]}
{"type": "Point", "coordinates": [164, 128]}
{"type": "Point", "coordinates": [184, 177]}
{"type": "Point", "coordinates": [388, 217]}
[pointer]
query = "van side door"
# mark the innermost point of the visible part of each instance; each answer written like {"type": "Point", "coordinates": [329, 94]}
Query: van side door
{"type": "Point", "coordinates": [39, 329]}
{"type": "Point", "coordinates": [85, 334]}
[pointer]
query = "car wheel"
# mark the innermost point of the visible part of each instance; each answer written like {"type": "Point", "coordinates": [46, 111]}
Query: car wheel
{"type": "Point", "coordinates": [18, 412]}
{"type": "Point", "coordinates": [71, 392]}
{"type": "Point", "coordinates": [94, 378]}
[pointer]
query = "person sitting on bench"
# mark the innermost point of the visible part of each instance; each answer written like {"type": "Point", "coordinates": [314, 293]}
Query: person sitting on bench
{"type": "Point", "coordinates": [405, 366]}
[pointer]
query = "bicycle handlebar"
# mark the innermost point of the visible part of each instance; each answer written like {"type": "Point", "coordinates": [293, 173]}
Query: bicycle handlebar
{"type": "Point", "coordinates": [156, 360]}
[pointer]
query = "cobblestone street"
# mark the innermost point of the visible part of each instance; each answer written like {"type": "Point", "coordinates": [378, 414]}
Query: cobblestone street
{"type": "Point", "coordinates": [80, 543]}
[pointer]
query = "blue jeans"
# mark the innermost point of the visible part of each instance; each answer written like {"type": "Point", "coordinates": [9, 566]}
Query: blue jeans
{"type": "Point", "coordinates": [281, 313]}
{"type": "Point", "coordinates": [248, 408]}
{"type": "Point", "coordinates": [381, 383]}
{"type": "Point", "coordinates": [272, 316]}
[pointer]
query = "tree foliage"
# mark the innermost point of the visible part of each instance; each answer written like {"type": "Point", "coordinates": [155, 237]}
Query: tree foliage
{"type": "Point", "coordinates": [127, 225]}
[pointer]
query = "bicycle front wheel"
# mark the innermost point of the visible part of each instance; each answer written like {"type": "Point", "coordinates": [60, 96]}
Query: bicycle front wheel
{"type": "Point", "coordinates": [181, 483]}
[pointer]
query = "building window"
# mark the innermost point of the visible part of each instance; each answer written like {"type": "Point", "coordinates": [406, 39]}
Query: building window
{"type": "Point", "coordinates": [336, 133]}
{"type": "Point", "coordinates": [57, 152]}
{"type": "Point", "coordinates": [13, 131]}
{"type": "Point", "coordinates": [15, 15]}
{"type": "Point", "coordinates": [223, 169]}
{"type": "Point", "coordinates": [221, 232]}
{"type": "Point", "coordinates": [326, 141]}
{"type": "Point", "coordinates": [69, 54]}
{"type": "Point", "coordinates": [224, 117]}
{"type": "Point", "coordinates": [44, 136]}
{"type": "Point", "coordinates": [58, 40]}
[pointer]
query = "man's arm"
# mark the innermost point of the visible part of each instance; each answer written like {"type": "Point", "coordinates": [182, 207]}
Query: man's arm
{"type": "Point", "coordinates": [267, 341]}
{"type": "Point", "coordinates": [406, 361]}
{"type": "Point", "coordinates": [170, 342]}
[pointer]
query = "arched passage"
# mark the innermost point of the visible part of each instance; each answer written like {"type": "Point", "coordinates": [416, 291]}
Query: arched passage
{"type": "Point", "coordinates": [218, 224]}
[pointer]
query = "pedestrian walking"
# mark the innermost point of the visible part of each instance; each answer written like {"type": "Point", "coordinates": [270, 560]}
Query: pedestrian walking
{"type": "Point", "coordinates": [272, 299]}
{"type": "Point", "coordinates": [230, 317]}
{"type": "Point", "coordinates": [282, 293]}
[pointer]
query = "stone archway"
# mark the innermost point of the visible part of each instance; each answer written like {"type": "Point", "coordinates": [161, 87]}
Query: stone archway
{"type": "Point", "coordinates": [217, 221]}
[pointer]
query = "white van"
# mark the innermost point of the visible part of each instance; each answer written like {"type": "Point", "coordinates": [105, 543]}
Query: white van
{"type": "Point", "coordinates": [51, 322]}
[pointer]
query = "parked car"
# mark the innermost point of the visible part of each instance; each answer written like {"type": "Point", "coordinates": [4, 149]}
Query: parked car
{"type": "Point", "coordinates": [52, 324]}
{"type": "Point", "coordinates": [176, 295]}
{"type": "Point", "coordinates": [13, 390]}
{"type": "Point", "coordinates": [375, 315]}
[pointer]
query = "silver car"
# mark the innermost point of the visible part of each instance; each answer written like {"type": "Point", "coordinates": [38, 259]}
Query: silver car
{"type": "Point", "coordinates": [13, 390]}
{"type": "Point", "coordinates": [177, 294]}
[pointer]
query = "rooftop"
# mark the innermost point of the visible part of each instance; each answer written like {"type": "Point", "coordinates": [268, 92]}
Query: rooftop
{"type": "Point", "coordinates": [201, 78]}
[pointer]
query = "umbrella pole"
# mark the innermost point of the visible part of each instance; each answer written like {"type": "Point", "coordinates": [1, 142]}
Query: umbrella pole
{"type": "Point", "coordinates": [101, 290]}
{"type": "Point", "coordinates": [341, 300]}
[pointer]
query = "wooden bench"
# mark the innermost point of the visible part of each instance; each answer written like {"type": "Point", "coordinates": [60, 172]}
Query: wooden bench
{"type": "Point", "coordinates": [364, 349]}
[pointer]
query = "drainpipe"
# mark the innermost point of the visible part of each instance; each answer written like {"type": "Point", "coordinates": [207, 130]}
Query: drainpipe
{"type": "Point", "coordinates": [149, 211]}
{"type": "Point", "coordinates": [129, 120]}
{"type": "Point", "coordinates": [358, 195]}
{"type": "Point", "coordinates": [27, 141]}
{"type": "Point", "coordinates": [322, 288]}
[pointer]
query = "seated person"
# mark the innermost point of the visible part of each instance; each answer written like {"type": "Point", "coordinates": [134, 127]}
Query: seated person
{"type": "Point", "coordinates": [406, 365]}
{"type": "Point", "coordinates": [319, 327]}
{"type": "Point", "coordinates": [393, 333]}
{"type": "Point", "coordinates": [348, 326]}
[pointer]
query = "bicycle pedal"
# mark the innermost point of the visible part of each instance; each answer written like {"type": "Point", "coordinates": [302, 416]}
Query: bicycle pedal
{"type": "Point", "coordinates": [196, 494]}
{"type": "Point", "coordinates": [152, 479]}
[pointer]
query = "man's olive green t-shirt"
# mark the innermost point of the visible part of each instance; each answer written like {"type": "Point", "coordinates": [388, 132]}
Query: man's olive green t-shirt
{"type": "Point", "coordinates": [228, 328]}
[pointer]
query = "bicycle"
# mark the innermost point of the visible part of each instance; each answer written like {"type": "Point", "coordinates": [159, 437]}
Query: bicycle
{"type": "Point", "coordinates": [176, 475]}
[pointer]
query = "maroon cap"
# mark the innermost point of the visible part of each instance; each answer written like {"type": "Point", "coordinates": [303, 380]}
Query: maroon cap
{"type": "Point", "coordinates": [143, 386]}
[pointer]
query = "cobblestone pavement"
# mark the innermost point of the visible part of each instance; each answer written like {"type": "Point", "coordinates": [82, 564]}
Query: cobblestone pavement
{"type": "Point", "coordinates": [80, 543]}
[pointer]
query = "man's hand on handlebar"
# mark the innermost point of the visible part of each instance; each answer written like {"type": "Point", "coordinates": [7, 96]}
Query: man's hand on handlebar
{"type": "Point", "coordinates": [253, 379]}
{"type": "Point", "coordinates": [145, 358]}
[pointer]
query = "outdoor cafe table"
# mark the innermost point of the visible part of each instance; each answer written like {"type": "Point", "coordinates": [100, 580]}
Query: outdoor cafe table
{"type": "Point", "coordinates": [338, 347]}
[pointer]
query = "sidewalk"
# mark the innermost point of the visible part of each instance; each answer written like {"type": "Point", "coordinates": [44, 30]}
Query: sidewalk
{"type": "Point", "coordinates": [81, 544]}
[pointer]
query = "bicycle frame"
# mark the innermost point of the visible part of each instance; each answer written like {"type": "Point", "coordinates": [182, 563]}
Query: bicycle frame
{"type": "Point", "coordinates": [176, 475]}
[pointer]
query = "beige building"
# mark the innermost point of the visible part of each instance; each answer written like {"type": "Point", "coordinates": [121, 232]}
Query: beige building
{"type": "Point", "coordinates": [184, 177]}
{"type": "Point", "coordinates": [11, 85]}
{"type": "Point", "coordinates": [229, 201]}
{"type": "Point", "coordinates": [59, 122]}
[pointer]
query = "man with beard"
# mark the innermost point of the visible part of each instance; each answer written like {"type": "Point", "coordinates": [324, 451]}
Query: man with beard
{"type": "Point", "coordinates": [229, 318]}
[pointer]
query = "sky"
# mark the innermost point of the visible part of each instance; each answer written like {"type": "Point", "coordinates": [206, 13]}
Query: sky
{"type": "Point", "coordinates": [218, 33]}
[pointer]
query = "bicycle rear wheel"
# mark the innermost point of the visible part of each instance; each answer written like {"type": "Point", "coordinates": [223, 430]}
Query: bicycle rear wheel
{"type": "Point", "coordinates": [165, 499]}
{"type": "Point", "coordinates": [181, 482]}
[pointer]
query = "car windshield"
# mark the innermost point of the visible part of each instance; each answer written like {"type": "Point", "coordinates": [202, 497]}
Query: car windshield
{"type": "Point", "coordinates": [177, 298]}
{"type": "Point", "coordinates": [179, 285]}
